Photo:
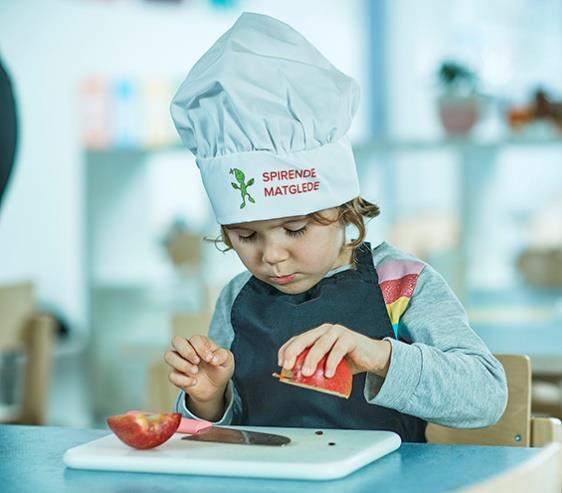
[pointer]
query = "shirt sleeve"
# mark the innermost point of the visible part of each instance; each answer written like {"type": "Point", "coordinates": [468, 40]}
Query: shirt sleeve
{"type": "Point", "coordinates": [446, 374]}
{"type": "Point", "coordinates": [222, 332]}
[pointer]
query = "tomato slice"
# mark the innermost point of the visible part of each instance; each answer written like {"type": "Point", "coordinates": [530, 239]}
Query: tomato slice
{"type": "Point", "coordinates": [340, 384]}
{"type": "Point", "coordinates": [144, 430]}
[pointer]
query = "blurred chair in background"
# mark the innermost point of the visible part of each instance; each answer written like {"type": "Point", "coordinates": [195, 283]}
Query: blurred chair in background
{"type": "Point", "coordinates": [26, 339]}
{"type": "Point", "coordinates": [517, 427]}
{"type": "Point", "coordinates": [161, 394]}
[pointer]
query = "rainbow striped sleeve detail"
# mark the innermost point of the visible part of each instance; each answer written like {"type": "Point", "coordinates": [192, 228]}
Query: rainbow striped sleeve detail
{"type": "Point", "coordinates": [397, 280]}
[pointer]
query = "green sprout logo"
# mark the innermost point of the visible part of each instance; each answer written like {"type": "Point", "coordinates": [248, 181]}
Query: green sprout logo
{"type": "Point", "coordinates": [242, 185]}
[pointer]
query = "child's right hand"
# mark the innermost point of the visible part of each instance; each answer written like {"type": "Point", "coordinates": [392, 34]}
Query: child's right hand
{"type": "Point", "coordinates": [200, 367]}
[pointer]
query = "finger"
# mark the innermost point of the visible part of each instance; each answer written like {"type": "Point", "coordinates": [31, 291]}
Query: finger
{"type": "Point", "coordinates": [281, 351]}
{"type": "Point", "coordinates": [173, 359]}
{"type": "Point", "coordinates": [319, 349]}
{"type": "Point", "coordinates": [203, 346]}
{"type": "Point", "coordinates": [338, 352]}
{"type": "Point", "coordinates": [220, 357]}
{"type": "Point", "coordinates": [185, 349]}
{"type": "Point", "coordinates": [182, 381]}
{"type": "Point", "coordinates": [316, 330]}
{"type": "Point", "coordinates": [300, 343]}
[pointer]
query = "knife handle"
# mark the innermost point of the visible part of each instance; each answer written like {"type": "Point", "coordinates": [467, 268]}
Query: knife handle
{"type": "Point", "coordinates": [187, 425]}
{"type": "Point", "coordinates": [192, 426]}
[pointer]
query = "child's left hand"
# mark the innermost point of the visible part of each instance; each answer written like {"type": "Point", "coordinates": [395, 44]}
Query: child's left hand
{"type": "Point", "coordinates": [362, 352]}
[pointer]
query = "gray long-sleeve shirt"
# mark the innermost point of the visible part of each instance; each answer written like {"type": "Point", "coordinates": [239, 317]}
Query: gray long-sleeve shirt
{"type": "Point", "coordinates": [445, 374]}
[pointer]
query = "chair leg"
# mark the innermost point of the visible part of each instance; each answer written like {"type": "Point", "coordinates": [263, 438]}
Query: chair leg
{"type": "Point", "coordinates": [38, 338]}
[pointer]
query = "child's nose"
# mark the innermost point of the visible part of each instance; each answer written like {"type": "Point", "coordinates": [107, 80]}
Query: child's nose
{"type": "Point", "coordinates": [273, 253]}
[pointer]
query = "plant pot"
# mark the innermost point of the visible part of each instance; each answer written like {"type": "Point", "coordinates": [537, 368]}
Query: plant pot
{"type": "Point", "coordinates": [458, 114]}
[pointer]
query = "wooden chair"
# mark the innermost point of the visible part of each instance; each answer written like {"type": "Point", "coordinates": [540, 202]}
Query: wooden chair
{"type": "Point", "coordinates": [23, 329]}
{"type": "Point", "coordinates": [545, 430]}
{"type": "Point", "coordinates": [541, 473]}
{"type": "Point", "coordinates": [161, 394]}
{"type": "Point", "coordinates": [516, 427]}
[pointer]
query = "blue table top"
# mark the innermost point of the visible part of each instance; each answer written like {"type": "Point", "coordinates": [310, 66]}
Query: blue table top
{"type": "Point", "coordinates": [31, 461]}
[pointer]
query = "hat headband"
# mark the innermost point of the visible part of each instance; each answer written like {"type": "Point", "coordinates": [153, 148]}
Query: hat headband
{"type": "Point", "coordinates": [257, 185]}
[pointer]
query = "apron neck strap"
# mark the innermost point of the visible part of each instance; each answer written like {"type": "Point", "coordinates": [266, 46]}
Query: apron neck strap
{"type": "Point", "coordinates": [363, 260]}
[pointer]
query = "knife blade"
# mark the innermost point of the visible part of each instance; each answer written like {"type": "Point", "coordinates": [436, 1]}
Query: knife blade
{"type": "Point", "coordinates": [220, 434]}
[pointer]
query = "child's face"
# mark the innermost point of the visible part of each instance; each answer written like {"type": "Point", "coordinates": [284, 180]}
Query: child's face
{"type": "Point", "coordinates": [292, 253]}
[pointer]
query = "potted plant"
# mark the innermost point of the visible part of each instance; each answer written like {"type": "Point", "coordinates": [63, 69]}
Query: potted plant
{"type": "Point", "coordinates": [459, 101]}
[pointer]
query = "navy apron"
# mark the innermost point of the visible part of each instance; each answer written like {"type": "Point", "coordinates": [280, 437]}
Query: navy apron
{"type": "Point", "coordinates": [264, 318]}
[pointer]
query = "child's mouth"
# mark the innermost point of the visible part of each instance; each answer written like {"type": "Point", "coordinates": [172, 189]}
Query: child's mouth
{"type": "Point", "coordinates": [282, 279]}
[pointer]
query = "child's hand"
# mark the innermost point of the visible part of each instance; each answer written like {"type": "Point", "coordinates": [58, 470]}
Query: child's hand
{"type": "Point", "coordinates": [362, 353]}
{"type": "Point", "coordinates": [200, 367]}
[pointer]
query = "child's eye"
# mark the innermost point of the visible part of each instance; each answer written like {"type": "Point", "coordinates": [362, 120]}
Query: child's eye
{"type": "Point", "coordinates": [251, 237]}
{"type": "Point", "coordinates": [296, 232]}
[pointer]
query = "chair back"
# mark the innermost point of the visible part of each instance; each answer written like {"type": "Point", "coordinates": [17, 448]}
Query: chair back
{"type": "Point", "coordinates": [16, 306]}
{"type": "Point", "coordinates": [514, 427]}
{"type": "Point", "coordinates": [544, 430]}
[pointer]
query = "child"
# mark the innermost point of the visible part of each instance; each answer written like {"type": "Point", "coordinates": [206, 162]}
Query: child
{"type": "Point", "coordinates": [266, 116]}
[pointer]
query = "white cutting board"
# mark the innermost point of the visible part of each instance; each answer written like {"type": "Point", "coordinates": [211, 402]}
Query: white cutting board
{"type": "Point", "coordinates": [308, 456]}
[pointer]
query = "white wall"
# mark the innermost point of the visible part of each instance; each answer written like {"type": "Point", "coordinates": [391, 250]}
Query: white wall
{"type": "Point", "coordinates": [50, 45]}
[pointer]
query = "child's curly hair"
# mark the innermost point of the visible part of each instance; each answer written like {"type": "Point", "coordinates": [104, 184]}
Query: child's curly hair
{"type": "Point", "coordinates": [353, 212]}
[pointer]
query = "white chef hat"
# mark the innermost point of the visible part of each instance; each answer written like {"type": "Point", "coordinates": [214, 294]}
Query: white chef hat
{"type": "Point", "coordinates": [266, 116]}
